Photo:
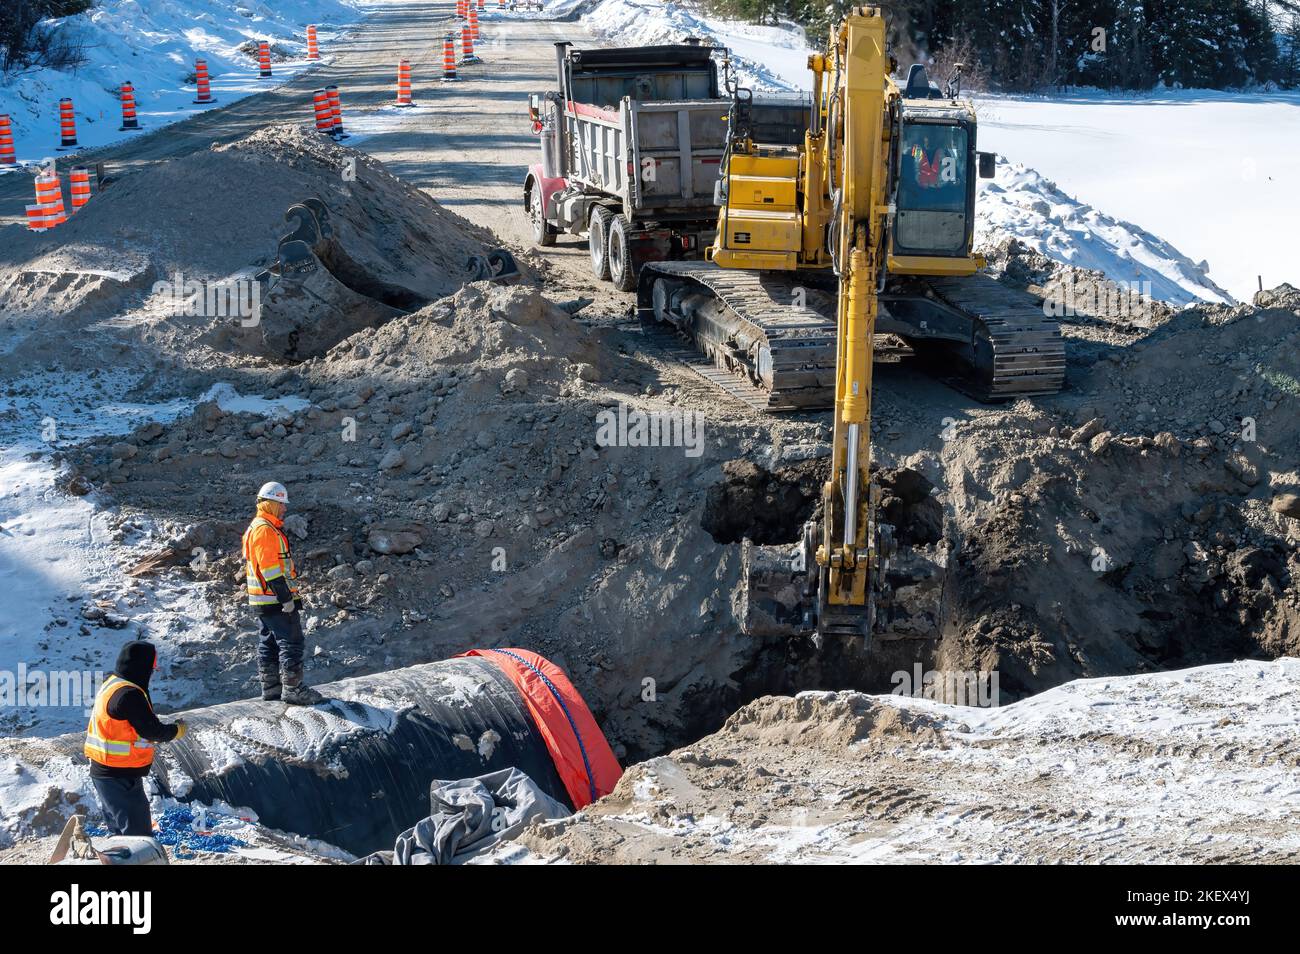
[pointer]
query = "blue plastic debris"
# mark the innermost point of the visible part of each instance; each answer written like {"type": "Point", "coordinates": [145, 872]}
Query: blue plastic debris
{"type": "Point", "coordinates": [176, 828]}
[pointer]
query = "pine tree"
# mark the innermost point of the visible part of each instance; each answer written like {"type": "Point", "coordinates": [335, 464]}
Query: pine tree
{"type": "Point", "coordinates": [1291, 61]}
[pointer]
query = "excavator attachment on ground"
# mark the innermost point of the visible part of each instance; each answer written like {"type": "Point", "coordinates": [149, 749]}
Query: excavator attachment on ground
{"type": "Point", "coordinates": [305, 305]}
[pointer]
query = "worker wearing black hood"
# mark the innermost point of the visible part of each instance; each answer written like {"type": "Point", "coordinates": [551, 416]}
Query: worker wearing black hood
{"type": "Point", "coordinates": [120, 740]}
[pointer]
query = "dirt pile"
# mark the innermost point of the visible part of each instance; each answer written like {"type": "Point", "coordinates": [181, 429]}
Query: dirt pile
{"type": "Point", "coordinates": [450, 489]}
{"type": "Point", "coordinates": [119, 267]}
{"type": "Point", "coordinates": [1134, 769]}
{"type": "Point", "coordinates": [1148, 521]}
{"type": "Point", "coordinates": [213, 213]}
{"type": "Point", "coordinates": [480, 472]}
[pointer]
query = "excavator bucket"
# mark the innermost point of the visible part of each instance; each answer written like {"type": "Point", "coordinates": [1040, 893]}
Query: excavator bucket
{"type": "Point", "coordinates": [498, 265]}
{"type": "Point", "coordinates": [306, 309]}
{"type": "Point", "coordinates": [783, 587]}
{"type": "Point", "coordinates": [316, 294]}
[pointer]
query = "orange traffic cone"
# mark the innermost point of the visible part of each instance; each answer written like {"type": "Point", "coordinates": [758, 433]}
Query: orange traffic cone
{"type": "Point", "coordinates": [128, 108]}
{"type": "Point", "coordinates": [336, 108]}
{"type": "Point", "coordinates": [460, 9]}
{"type": "Point", "coordinates": [480, 5]}
{"type": "Point", "coordinates": [473, 23]}
{"type": "Point", "coordinates": [204, 85]}
{"type": "Point", "coordinates": [324, 112]}
{"type": "Point", "coordinates": [67, 124]}
{"type": "Point", "coordinates": [264, 57]}
{"type": "Point", "coordinates": [38, 218]}
{"type": "Point", "coordinates": [448, 58]}
{"type": "Point", "coordinates": [79, 187]}
{"type": "Point", "coordinates": [49, 193]}
{"type": "Point", "coordinates": [313, 51]}
{"type": "Point", "coordinates": [7, 155]}
{"type": "Point", "coordinates": [404, 83]}
{"type": "Point", "coordinates": [467, 47]}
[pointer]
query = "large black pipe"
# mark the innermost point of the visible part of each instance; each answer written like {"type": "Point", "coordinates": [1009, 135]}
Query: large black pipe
{"type": "Point", "coordinates": [355, 771]}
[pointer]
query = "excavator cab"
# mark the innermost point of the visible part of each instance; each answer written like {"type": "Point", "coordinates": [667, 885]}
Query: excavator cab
{"type": "Point", "coordinates": [934, 166]}
{"type": "Point", "coordinates": [935, 193]}
{"type": "Point", "coordinates": [935, 199]}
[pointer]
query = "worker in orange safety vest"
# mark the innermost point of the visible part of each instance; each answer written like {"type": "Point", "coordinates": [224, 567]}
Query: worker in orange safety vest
{"type": "Point", "coordinates": [270, 579]}
{"type": "Point", "coordinates": [927, 167]}
{"type": "Point", "coordinates": [120, 740]}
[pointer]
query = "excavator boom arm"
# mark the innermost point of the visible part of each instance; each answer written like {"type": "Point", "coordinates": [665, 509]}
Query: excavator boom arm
{"type": "Point", "coordinates": [856, 101]}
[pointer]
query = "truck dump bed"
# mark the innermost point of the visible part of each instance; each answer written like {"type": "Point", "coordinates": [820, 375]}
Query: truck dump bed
{"type": "Point", "coordinates": [654, 156]}
{"type": "Point", "coordinates": [646, 125]}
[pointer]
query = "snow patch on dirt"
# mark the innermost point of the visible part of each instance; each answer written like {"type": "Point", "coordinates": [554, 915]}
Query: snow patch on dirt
{"type": "Point", "coordinates": [1196, 765]}
{"type": "Point", "coordinates": [66, 554]}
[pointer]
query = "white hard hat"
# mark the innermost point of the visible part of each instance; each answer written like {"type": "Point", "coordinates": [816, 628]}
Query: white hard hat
{"type": "Point", "coordinates": [274, 491]}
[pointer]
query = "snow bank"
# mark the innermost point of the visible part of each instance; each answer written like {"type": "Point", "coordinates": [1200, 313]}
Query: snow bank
{"type": "Point", "coordinates": [153, 44]}
{"type": "Point", "coordinates": [1213, 172]}
{"type": "Point", "coordinates": [1021, 203]}
{"type": "Point", "coordinates": [763, 57]}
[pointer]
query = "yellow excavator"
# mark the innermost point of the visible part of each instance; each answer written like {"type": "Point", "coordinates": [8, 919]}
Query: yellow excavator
{"type": "Point", "coordinates": [765, 303]}
{"type": "Point", "coordinates": [831, 584]}
{"type": "Point", "coordinates": [861, 232]}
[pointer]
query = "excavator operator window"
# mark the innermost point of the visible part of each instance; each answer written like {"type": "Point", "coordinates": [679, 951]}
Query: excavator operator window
{"type": "Point", "coordinates": [932, 198]}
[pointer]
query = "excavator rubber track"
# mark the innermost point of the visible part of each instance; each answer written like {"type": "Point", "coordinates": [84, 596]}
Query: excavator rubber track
{"type": "Point", "coordinates": [772, 342]}
{"type": "Point", "coordinates": [780, 354]}
{"type": "Point", "coordinates": [1017, 350]}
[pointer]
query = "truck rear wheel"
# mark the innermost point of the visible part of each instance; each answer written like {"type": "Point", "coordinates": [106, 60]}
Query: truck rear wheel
{"type": "Point", "coordinates": [598, 241]}
{"type": "Point", "coordinates": [622, 270]}
{"type": "Point", "coordinates": [543, 233]}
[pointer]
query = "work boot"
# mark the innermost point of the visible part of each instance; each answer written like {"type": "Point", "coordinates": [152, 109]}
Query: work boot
{"type": "Point", "coordinates": [271, 687]}
{"type": "Point", "coordinates": [297, 694]}
{"type": "Point", "coordinates": [301, 695]}
{"type": "Point", "coordinates": [270, 681]}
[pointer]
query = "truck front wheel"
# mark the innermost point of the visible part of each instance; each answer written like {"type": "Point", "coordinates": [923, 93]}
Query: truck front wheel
{"type": "Point", "coordinates": [622, 270]}
{"type": "Point", "coordinates": [598, 241]}
{"type": "Point", "coordinates": [543, 232]}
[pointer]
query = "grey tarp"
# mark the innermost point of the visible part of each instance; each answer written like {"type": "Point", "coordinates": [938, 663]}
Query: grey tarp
{"type": "Point", "coordinates": [469, 816]}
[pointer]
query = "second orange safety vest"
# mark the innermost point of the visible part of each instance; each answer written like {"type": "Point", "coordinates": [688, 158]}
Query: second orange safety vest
{"type": "Point", "coordinates": [114, 742]}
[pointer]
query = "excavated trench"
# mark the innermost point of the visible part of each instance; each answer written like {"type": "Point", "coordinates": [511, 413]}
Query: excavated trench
{"type": "Point", "coordinates": [770, 507]}
{"type": "Point", "coordinates": [982, 620]}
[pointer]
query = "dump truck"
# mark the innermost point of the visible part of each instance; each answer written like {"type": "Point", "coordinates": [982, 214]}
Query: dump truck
{"type": "Point", "coordinates": [631, 144]}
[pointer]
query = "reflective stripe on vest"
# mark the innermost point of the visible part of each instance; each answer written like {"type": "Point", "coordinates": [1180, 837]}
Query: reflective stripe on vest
{"type": "Point", "coordinates": [255, 581]}
{"type": "Point", "coordinates": [114, 742]}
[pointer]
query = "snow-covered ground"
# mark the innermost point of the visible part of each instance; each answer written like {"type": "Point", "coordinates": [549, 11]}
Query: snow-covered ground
{"type": "Point", "coordinates": [63, 558]}
{"type": "Point", "coordinates": [767, 57]}
{"type": "Point", "coordinates": [153, 44]}
{"type": "Point", "coordinates": [1214, 173]}
{"type": "Point", "coordinates": [764, 57]}
{"type": "Point", "coordinates": [1193, 765]}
